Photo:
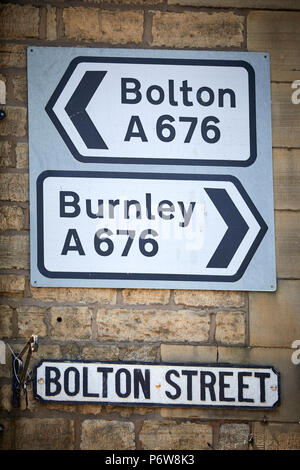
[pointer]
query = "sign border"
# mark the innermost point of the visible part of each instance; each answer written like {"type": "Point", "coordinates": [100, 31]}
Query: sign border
{"type": "Point", "coordinates": [176, 405]}
{"type": "Point", "coordinates": [143, 276]}
{"type": "Point", "coordinates": [158, 161]}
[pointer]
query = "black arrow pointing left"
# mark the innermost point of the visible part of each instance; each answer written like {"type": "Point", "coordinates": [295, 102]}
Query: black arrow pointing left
{"type": "Point", "coordinates": [76, 109]}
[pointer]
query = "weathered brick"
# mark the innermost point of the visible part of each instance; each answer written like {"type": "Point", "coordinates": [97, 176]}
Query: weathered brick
{"type": "Point", "coordinates": [11, 218]}
{"type": "Point", "coordinates": [44, 434]}
{"type": "Point", "coordinates": [143, 353]}
{"type": "Point", "coordinates": [69, 294]}
{"type": "Point", "coordinates": [285, 117]}
{"type": "Point", "coordinates": [31, 321]}
{"type": "Point", "coordinates": [276, 32]}
{"type": "Point", "coordinates": [121, 27]}
{"type": "Point", "coordinates": [152, 325]}
{"type": "Point", "coordinates": [14, 187]}
{"type": "Point", "coordinates": [14, 252]}
{"type": "Point", "coordinates": [12, 283]}
{"type": "Point", "coordinates": [274, 317]}
{"type": "Point", "coordinates": [197, 29]}
{"type": "Point", "coordinates": [71, 323]}
{"type": "Point", "coordinates": [81, 24]}
{"type": "Point", "coordinates": [22, 155]}
{"type": "Point", "coordinates": [230, 328]}
{"type": "Point", "coordinates": [146, 296]}
{"type": "Point", "coordinates": [19, 85]}
{"type": "Point", "coordinates": [99, 434]}
{"type": "Point", "coordinates": [71, 349]}
{"type": "Point", "coordinates": [287, 235]}
{"type": "Point", "coordinates": [89, 408]}
{"type": "Point", "coordinates": [233, 437]}
{"type": "Point", "coordinates": [15, 122]}
{"type": "Point", "coordinates": [169, 435]}
{"type": "Point", "coordinates": [12, 55]}
{"type": "Point", "coordinates": [273, 436]}
{"type": "Point", "coordinates": [187, 353]}
{"type": "Point", "coordinates": [274, 4]}
{"type": "Point", "coordinates": [286, 167]}
{"type": "Point", "coordinates": [105, 352]}
{"type": "Point", "coordinates": [6, 314]}
{"type": "Point", "coordinates": [198, 298]}
{"type": "Point", "coordinates": [100, 352]}
{"type": "Point", "coordinates": [19, 21]}
{"type": "Point", "coordinates": [46, 351]}
{"type": "Point", "coordinates": [6, 155]}
{"type": "Point", "coordinates": [91, 24]}
{"type": "Point", "coordinates": [126, 411]}
{"type": "Point", "coordinates": [51, 23]}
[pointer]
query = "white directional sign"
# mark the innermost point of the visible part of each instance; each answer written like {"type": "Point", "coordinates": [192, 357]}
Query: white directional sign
{"type": "Point", "coordinates": [219, 386]}
{"type": "Point", "coordinates": [150, 169]}
{"type": "Point", "coordinates": [157, 110]}
{"type": "Point", "coordinates": [136, 226]}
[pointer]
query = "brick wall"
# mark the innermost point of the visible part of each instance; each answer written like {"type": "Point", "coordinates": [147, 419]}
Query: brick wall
{"type": "Point", "coordinates": [173, 326]}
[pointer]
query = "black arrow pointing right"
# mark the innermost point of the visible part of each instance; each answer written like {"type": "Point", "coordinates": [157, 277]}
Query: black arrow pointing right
{"type": "Point", "coordinates": [76, 109]}
{"type": "Point", "coordinates": [237, 228]}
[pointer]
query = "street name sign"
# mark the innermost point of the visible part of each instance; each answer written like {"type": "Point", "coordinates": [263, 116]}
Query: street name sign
{"type": "Point", "coordinates": [150, 169]}
{"type": "Point", "coordinates": [203, 385]}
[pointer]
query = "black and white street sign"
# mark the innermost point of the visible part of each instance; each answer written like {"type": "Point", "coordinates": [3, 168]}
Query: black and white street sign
{"type": "Point", "coordinates": [145, 226]}
{"type": "Point", "coordinates": [157, 110]}
{"type": "Point", "coordinates": [150, 169]}
{"type": "Point", "coordinates": [206, 386]}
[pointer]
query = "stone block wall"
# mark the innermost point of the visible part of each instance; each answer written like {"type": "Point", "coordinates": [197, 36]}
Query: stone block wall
{"type": "Point", "coordinates": [150, 325]}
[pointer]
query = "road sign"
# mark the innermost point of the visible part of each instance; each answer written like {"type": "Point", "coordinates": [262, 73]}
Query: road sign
{"type": "Point", "coordinates": [145, 226]}
{"type": "Point", "coordinates": [204, 110]}
{"type": "Point", "coordinates": [150, 169]}
{"type": "Point", "coordinates": [203, 385]}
